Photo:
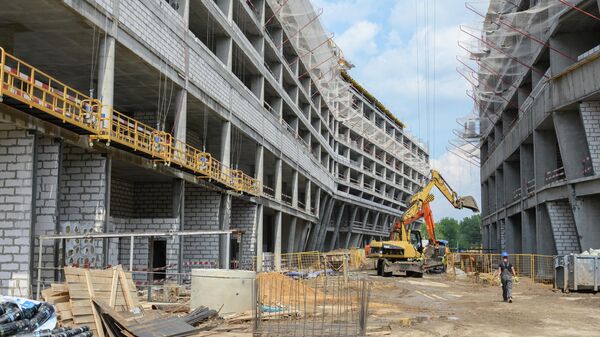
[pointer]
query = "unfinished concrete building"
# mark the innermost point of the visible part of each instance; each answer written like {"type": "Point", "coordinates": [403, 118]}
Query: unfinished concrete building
{"type": "Point", "coordinates": [538, 96]}
{"type": "Point", "coordinates": [186, 115]}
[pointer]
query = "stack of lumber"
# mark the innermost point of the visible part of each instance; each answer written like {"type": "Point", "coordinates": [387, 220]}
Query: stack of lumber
{"type": "Point", "coordinates": [106, 300]}
{"type": "Point", "coordinates": [58, 295]}
{"type": "Point", "coordinates": [73, 299]}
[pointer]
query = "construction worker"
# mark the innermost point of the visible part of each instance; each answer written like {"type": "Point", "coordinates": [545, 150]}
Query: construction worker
{"type": "Point", "coordinates": [506, 272]}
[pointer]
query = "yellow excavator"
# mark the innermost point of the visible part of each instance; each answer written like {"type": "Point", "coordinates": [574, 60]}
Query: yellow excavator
{"type": "Point", "coordinates": [404, 251]}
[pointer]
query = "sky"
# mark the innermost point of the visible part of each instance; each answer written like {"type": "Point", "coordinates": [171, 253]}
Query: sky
{"type": "Point", "coordinates": [404, 53]}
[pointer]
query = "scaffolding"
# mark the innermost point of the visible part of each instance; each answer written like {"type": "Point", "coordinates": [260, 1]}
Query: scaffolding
{"type": "Point", "coordinates": [326, 64]}
{"type": "Point", "coordinates": [510, 48]}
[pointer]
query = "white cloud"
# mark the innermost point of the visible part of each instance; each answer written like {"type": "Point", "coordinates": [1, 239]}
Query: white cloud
{"type": "Point", "coordinates": [359, 39]}
{"type": "Point", "coordinates": [462, 177]}
{"type": "Point", "coordinates": [398, 73]}
{"type": "Point", "coordinates": [345, 12]}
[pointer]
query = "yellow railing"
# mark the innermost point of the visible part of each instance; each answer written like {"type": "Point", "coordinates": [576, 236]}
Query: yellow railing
{"type": "Point", "coordinates": [36, 89]}
{"type": "Point", "coordinates": [540, 268]}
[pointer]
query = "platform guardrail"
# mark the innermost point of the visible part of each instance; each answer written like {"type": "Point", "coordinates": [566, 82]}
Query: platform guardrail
{"type": "Point", "coordinates": [52, 100]}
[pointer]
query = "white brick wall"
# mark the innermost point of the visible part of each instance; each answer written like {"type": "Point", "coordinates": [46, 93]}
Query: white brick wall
{"type": "Point", "coordinates": [201, 213]}
{"type": "Point", "coordinates": [83, 186]}
{"type": "Point", "coordinates": [106, 4]}
{"type": "Point", "coordinates": [590, 114]}
{"type": "Point", "coordinates": [243, 216]}
{"type": "Point", "coordinates": [156, 24]}
{"type": "Point", "coordinates": [563, 227]}
{"type": "Point", "coordinates": [48, 158]}
{"type": "Point", "coordinates": [122, 198]}
{"type": "Point", "coordinates": [16, 175]}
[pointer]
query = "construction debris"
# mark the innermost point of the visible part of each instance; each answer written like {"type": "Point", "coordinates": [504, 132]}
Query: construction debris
{"type": "Point", "coordinates": [591, 252]}
{"type": "Point", "coordinates": [199, 315]}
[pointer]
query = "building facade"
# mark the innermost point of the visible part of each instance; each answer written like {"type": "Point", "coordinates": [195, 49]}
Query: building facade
{"type": "Point", "coordinates": [211, 115]}
{"type": "Point", "coordinates": [538, 96]}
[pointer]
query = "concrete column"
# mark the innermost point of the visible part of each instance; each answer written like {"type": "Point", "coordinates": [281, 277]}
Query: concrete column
{"type": "Point", "coordinates": [226, 144]}
{"type": "Point", "coordinates": [277, 250]}
{"type": "Point", "coordinates": [350, 224]}
{"type": "Point", "coordinates": [180, 128]}
{"type": "Point", "coordinates": [365, 218]}
{"type": "Point", "coordinates": [544, 142]}
{"type": "Point", "coordinates": [259, 237]}
{"type": "Point", "coordinates": [318, 201]}
{"type": "Point", "coordinates": [179, 213]}
{"type": "Point", "coordinates": [106, 75]}
{"type": "Point", "coordinates": [528, 231]}
{"type": "Point", "coordinates": [527, 166]}
{"type": "Point", "coordinates": [259, 162]}
{"type": "Point", "coordinates": [336, 231]}
{"type": "Point", "coordinates": [224, 224]}
{"type": "Point", "coordinates": [307, 195]}
{"type": "Point", "coordinates": [544, 237]}
{"type": "Point", "coordinates": [512, 180]}
{"type": "Point", "coordinates": [376, 221]}
{"type": "Point", "coordinates": [278, 178]}
{"type": "Point", "coordinates": [571, 141]}
{"type": "Point", "coordinates": [295, 188]}
{"type": "Point", "coordinates": [292, 235]}
{"type": "Point", "coordinates": [184, 11]}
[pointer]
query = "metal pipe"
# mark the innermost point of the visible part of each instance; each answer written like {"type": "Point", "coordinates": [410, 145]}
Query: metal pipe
{"type": "Point", "coordinates": [140, 234]}
{"type": "Point", "coordinates": [131, 241]}
{"type": "Point", "coordinates": [39, 274]}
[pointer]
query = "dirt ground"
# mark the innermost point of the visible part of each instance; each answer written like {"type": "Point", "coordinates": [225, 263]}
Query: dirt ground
{"type": "Point", "coordinates": [438, 306]}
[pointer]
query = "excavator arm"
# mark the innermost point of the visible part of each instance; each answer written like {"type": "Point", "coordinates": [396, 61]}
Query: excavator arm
{"type": "Point", "coordinates": [419, 203]}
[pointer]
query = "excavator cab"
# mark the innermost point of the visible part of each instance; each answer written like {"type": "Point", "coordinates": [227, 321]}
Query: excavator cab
{"type": "Point", "coordinates": [415, 240]}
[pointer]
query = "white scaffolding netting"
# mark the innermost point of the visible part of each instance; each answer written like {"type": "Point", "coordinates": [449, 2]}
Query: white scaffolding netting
{"type": "Point", "coordinates": [325, 63]}
{"type": "Point", "coordinates": [509, 48]}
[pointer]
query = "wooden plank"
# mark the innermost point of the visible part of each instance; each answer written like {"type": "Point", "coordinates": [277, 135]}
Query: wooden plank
{"type": "Point", "coordinates": [76, 304]}
{"type": "Point", "coordinates": [87, 319]}
{"type": "Point", "coordinates": [96, 316]}
{"type": "Point", "coordinates": [97, 286]}
{"type": "Point", "coordinates": [127, 290]}
{"type": "Point", "coordinates": [59, 287]}
{"type": "Point", "coordinates": [63, 306]}
{"type": "Point", "coordinates": [113, 289]}
{"type": "Point", "coordinates": [58, 299]}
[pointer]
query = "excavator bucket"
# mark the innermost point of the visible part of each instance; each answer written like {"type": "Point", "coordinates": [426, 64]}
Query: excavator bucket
{"type": "Point", "coordinates": [470, 203]}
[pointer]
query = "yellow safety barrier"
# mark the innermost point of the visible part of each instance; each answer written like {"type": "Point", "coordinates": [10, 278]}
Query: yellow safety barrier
{"type": "Point", "coordinates": [539, 268]}
{"type": "Point", "coordinates": [313, 261]}
{"type": "Point", "coordinates": [85, 115]}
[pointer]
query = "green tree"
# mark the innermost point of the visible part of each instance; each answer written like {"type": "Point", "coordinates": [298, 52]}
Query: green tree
{"type": "Point", "coordinates": [448, 229]}
{"type": "Point", "coordinates": [470, 232]}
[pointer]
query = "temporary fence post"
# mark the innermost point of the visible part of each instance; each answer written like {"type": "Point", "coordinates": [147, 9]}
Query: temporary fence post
{"type": "Point", "coordinates": [227, 257]}
{"type": "Point", "coordinates": [2, 61]}
{"type": "Point", "coordinates": [131, 253]}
